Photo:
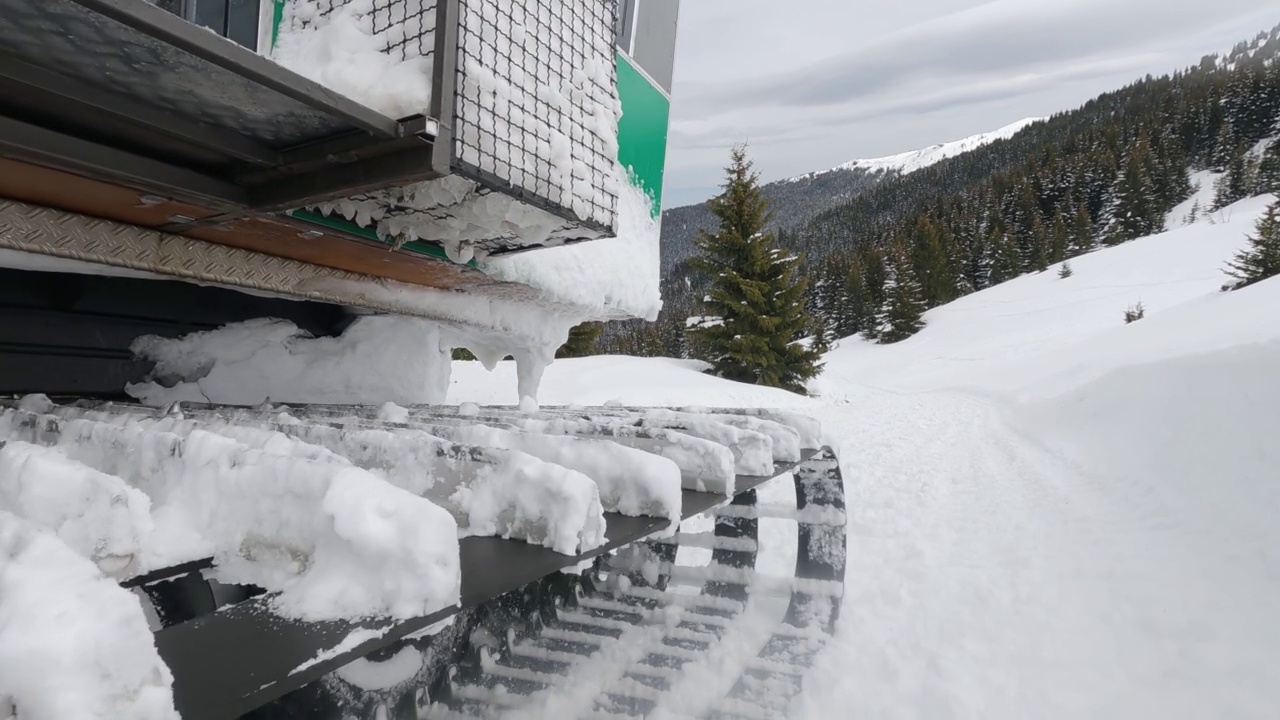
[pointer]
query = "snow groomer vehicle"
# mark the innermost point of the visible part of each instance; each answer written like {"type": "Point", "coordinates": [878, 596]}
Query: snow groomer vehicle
{"type": "Point", "coordinates": [207, 204]}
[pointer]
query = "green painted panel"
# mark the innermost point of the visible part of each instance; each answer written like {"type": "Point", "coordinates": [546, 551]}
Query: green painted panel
{"type": "Point", "coordinates": [337, 223]}
{"type": "Point", "coordinates": [277, 15]}
{"type": "Point", "coordinates": [642, 130]}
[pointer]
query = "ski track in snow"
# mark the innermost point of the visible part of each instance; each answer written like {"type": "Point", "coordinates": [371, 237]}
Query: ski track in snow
{"type": "Point", "coordinates": [989, 577]}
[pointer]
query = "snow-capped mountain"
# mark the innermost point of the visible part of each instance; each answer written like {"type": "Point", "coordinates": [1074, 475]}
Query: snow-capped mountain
{"type": "Point", "coordinates": [798, 199]}
{"type": "Point", "coordinates": [909, 162]}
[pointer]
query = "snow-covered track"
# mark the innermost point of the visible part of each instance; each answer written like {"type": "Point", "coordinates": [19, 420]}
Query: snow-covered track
{"type": "Point", "coordinates": [233, 647]}
{"type": "Point", "coordinates": [649, 646]}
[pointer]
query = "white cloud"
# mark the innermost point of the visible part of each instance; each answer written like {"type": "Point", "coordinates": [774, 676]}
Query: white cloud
{"type": "Point", "coordinates": [811, 83]}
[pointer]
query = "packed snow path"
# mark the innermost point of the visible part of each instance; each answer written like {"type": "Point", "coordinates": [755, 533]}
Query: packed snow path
{"type": "Point", "coordinates": [988, 577]}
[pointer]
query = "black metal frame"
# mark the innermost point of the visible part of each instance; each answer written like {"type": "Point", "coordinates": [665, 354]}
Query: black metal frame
{"type": "Point", "coordinates": [53, 116]}
{"type": "Point", "coordinates": [52, 119]}
{"type": "Point", "coordinates": [70, 334]}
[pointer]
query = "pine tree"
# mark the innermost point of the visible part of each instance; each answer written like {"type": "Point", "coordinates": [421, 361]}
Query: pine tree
{"type": "Point", "coordinates": [977, 271]}
{"type": "Point", "coordinates": [1038, 258]}
{"type": "Point", "coordinates": [862, 308]}
{"type": "Point", "coordinates": [904, 305]}
{"type": "Point", "coordinates": [1225, 147]}
{"type": "Point", "coordinates": [1066, 271]}
{"type": "Point", "coordinates": [756, 291]}
{"type": "Point", "coordinates": [1134, 211]}
{"type": "Point", "coordinates": [1005, 263]}
{"type": "Point", "coordinates": [875, 278]}
{"type": "Point", "coordinates": [1238, 182]}
{"type": "Point", "coordinates": [820, 331]}
{"type": "Point", "coordinates": [1081, 232]}
{"type": "Point", "coordinates": [855, 313]}
{"type": "Point", "coordinates": [932, 264]}
{"type": "Point", "coordinates": [582, 340]}
{"type": "Point", "coordinates": [1261, 259]}
{"type": "Point", "coordinates": [1059, 240]}
{"type": "Point", "coordinates": [1269, 169]}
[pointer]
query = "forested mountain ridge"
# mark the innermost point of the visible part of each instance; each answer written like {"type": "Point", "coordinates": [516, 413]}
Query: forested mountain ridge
{"type": "Point", "coordinates": [796, 200]}
{"type": "Point", "coordinates": [793, 201]}
{"type": "Point", "coordinates": [1104, 173]}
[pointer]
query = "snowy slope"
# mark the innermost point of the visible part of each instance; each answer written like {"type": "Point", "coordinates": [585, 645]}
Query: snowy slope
{"type": "Point", "coordinates": [909, 162]}
{"type": "Point", "coordinates": [983, 340]}
{"type": "Point", "coordinates": [1047, 493]}
{"type": "Point", "coordinates": [1052, 514]}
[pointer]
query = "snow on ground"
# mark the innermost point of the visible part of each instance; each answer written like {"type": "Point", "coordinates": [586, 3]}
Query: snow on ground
{"type": "Point", "coordinates": [615, 380]}
{"type": "Point", "coordinates": [1052, 514]}
{"type": "Point", "coordinates": [980, 341]}
{"type": "Point", "coordinates": [1089, 535]}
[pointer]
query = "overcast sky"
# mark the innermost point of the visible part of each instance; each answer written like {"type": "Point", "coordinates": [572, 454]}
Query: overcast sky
{"type": "Point", "coordinates": [810, 84]}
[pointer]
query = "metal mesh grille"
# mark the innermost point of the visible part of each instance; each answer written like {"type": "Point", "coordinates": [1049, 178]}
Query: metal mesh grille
{"type": "Point", "coordinates": [535, 121]}
{"type": "Point", "coordinates": [536, 103]}
{"type": "Point", "coordinates": [407, 27]}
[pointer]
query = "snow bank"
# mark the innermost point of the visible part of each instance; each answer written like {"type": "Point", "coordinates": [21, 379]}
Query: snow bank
{"type": "Point", "coordinates": [995, 339]}
{"type": "Point", "coordinates": [380, 358]}
{"type": "Point", "coordinates": [1179, 397]}
{"type": "Point", "coordinates": [333, 540]}
{"type": "Point", "coordinates": [341, 51]}
{"type": "Point", "coordinates": [96, 515]}
{"type": "Point", "coordinates": [1044, 492]}
{"type": "Point", "coordinates": [622, 380]}
{"type": "Point", "coordinates": [74, 645]}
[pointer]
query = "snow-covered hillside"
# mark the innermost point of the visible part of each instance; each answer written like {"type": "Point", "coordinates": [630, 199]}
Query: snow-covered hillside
{"type": "Point", "coordinates": [909, 162]}
{"type": "Point", "coordinates": [1052, 514]}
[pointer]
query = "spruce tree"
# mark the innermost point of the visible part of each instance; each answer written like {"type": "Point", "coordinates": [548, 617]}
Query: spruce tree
{"type": "Point", "coordinates": [933, 264]}
{"type": "Point", "coordinates": [1238, 182]}
{"type": "Point", "coordinates": [1038, 258]}
{"type": "Point", "coordinates": [856, 315]}
{"type": "Point", "coordinates": [820, 331]}
{"type": "Point", "coordinates": [1059, 240]}
{"type": "Point", "coordinates": [1261, 259]}
{"type": "Point", "coordinates": [977, 272]}
{"type": "Point", "coordinates": [904, 305]}
{"type": "Point", "coordinates": [1269, 169]}
{"type": "Point", "coordinates": [1005, 263]}
{"type": "Point", "coordinates": [582, 340]}
{"type": "Point", "coordinates": [756, 291]}
{"type": "Point", "coordinates": [1065, 271]}
{"type": "Point", "coordinates": [1134, 211]}
{"type": "Point", "coordinates": [875, 278]}
{"type": "Point", "coordinates": [1081, 232]}
{"type": "Point", "coordinates": [862, 309]}
{"type": "Point", "coordinates": [1225, 147]}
